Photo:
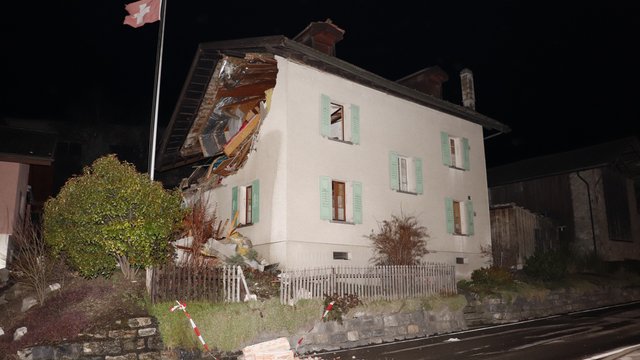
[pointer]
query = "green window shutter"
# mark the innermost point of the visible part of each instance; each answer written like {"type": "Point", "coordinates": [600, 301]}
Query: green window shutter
{"type": "Point", "coordinates": [469, 208]}
{"type": "Point", "coordinates": [465, 153]}
{"type": "Point", "coordinates": [234, 204]}
{"type": "Point", "coordinates": [355, 124]}
{"type": "Point", "coordinates": [325, 198]}
{"type": "Point", "coordinates": [393, 171]}
{"type": "Point", "coordinates": [255, 201]}
{"type": "Point", "coordinates": [357, 202]}
{"type": "Point", "coordinates": [417, 163]}
{"type": "Point", "coordinates": [325, 115]}
{"type": "Point", "coordinates": [446, 150]}
{"type": "Point", "coordinates": [448, 202]}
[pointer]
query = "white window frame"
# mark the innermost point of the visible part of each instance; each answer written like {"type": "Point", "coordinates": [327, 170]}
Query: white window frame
{"type": "Point", "coordinates": [342, 131]}
{"type": "Point", "coordinates": [406, 174]}
{"type": "Point", "coordinates": [456, 152]}
{"type": "Point", "coordinates": [348, 202]}
{"type": "Point", "coordinates": [243, 209]}
{"type": "Point", "coordinates": [461, 224]}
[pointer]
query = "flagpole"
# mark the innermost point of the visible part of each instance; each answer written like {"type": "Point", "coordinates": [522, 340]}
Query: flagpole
{"type": "Point", "coordinates": [156, 93]}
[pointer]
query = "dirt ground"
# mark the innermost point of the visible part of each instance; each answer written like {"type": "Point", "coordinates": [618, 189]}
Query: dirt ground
{"type": "Point", "coordinates": [80, 306]}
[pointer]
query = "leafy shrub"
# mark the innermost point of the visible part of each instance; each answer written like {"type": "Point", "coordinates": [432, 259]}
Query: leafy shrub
{"type": "Point", "coordinates": [487, 280]}
{"type": "Point", "coordinates": [546, 266]}
{"type": "Point", "coordinates": [109, 215]}
{"type": "Point", "coordinates": [399, 241]}
{"type": "Point", "coordinates": [492, 276]}
{"type": "Point", "coordinates": [342, 304]}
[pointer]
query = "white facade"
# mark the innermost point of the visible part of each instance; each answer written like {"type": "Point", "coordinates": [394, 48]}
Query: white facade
{"type": "Point", "coordinates": [291, 157]}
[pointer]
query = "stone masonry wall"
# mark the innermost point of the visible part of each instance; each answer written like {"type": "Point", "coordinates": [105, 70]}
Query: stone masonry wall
{"type": "Point", "coordinates": [139, 339]}
{"type": "Point", "coordinates": [364, 329]}
{"type": "Point", "coordinates": [501, 310]}
{"type": "Point", "coordinates": [128, 339]}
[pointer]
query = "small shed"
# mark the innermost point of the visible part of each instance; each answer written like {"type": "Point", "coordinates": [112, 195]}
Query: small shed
{"type": "Point", "coordinates": [516, 233]}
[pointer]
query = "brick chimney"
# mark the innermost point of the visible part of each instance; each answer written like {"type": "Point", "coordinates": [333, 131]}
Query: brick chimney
{"type": "Point", "coordinates": [468, 91]}
{"type": "Point", "coordinates": [428, 81]}
{"type": "Point", "coordinates": [322, 36]}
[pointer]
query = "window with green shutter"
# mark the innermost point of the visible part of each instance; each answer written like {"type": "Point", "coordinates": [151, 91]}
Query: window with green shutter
{"type": "Point", "coordinates": [455, 151]}
{"type": "Point", "coordinates": [234, 205]}
{"type": "Point", "coordinates": [405, 173]}
{"type": "Point", "coordinates": [448, 205]}
{"type": "Point", "coordinates": [340, 201]}
{"type": "Point", "coordinates": [357, 202]}
{"type": "Point", "coordinates": [339, 122]}
{"type": "Point", "coordinates": [255, 201]}
{"type": "Point", "coordinates": [470, 215]}
{"type": "Point", "coordinates": [245, 204]}
{"type": "Point", "coordinates": [459, 217]}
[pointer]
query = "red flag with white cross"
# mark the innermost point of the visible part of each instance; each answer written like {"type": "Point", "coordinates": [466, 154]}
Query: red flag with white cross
{"type": "Point", "coordinates": [142, 12]}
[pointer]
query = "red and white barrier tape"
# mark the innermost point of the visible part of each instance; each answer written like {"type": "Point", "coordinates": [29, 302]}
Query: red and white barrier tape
{"type": "Point", "coordinates": [183, 307]}
{"type": "Point", "coordinates": [324, 315]}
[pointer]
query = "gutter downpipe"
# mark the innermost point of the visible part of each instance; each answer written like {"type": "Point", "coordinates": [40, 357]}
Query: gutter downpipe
{"type": "Point", "coordinates": [593, 230]}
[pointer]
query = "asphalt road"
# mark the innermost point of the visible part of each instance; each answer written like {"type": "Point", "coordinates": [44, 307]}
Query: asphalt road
{"type": "Point", "coordinates": [579, 335]}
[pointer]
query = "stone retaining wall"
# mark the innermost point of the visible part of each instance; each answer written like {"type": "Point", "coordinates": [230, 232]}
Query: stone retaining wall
{"type": "Point", "coordinates": [138, 338]}
{"type": "Point", "coordinates": [507, 309]}
{"type": "Point", "coordinates": [128, 339]}
{"type": "Point", "coordinates": [364, 329]}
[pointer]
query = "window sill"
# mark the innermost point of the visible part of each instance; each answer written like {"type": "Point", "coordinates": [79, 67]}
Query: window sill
{"type": "Point", "coordinates": [340, 141]}
{"type": "Point", "coordinates": [407, 192]}
{"type": "Point", "coordinates": [460, 234]}
{"type": "Point", "coordinates": [243, 225]}
{"type": "Point", "coordinates": [341, 222]}
{"type": "Point", "coordinates": [457, 168]}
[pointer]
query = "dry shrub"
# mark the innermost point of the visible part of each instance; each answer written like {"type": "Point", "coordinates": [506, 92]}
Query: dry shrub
{"type": "Point", "coordinates": [399, 241]}
{"type": "Point", "coordinates": [199, 224]}
{"type": "Point", "coordinates": [33, 263]}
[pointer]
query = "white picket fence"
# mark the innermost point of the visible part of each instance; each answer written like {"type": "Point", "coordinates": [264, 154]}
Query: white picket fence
{"type": "Point", "coordinates": [235, 284]}
{"type": "Point", "coordinates": [372, 282]}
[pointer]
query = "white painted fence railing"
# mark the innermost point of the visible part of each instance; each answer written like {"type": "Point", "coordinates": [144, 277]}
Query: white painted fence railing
{"type": "Point", "coordinates": [372, 282]}
{"type": "Point", "coordinates": [234, 283]}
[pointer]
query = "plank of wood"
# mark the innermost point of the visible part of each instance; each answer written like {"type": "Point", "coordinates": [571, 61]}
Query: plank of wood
{"type": "Point", "coordinates": [244, 132]}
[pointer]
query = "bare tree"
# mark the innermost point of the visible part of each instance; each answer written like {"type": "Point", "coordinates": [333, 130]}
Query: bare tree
{"type": "Point", "coordinates": [399, 241]}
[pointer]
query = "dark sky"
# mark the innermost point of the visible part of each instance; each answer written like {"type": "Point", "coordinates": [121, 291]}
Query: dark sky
{"type": "Point", "coordinates": [560, 74]}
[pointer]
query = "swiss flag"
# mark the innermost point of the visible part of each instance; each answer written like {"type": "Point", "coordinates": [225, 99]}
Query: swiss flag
{"type": "Point", "coordinates": [142, 12]}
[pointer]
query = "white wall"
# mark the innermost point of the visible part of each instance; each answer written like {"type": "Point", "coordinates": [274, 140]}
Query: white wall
{"type": "Point", "coordinates": [292, 155]}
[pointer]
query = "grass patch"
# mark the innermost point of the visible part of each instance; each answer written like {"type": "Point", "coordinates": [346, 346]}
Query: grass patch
{"type": "Point", "coordinates": [452, 302]}
{"type": "Point", "coordinates": [231, 326]}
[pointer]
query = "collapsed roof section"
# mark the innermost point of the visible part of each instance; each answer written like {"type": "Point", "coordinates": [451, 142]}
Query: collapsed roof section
{"type": "Point", "coordinates": [222, 127]}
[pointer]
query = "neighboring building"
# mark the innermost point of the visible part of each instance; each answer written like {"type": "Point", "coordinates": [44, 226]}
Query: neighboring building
{"type": "Point", "coordinates": [79, 144]}
{"type": "Point", "coordinates": [22, 154]}
{"type": "Point", "coordinates": [517, 233]}
{"type": "Point", "coordinates": [590, 193]}
{"type": "Point", "coordinates": [312, 152]}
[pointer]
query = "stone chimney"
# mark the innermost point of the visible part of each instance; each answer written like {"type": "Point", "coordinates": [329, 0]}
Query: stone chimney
{"type": "Point", "coordinates": [468, 91]}
{"type": "Point", "coordinates": [322, 36]}
{"type": "Point", "coordinates": [428, 81]}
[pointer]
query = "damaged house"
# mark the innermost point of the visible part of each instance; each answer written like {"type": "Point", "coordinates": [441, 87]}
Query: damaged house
{"type": "Point", "coordinates": [306, 154]}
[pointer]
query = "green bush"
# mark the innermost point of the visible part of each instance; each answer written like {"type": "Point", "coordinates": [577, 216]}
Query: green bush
{"type": "Point", "coordinates": [487, 280]}
{"type": "Point", "coordinates": [109, 215]}
{"type": "Point", "coordinates": [546, 266]}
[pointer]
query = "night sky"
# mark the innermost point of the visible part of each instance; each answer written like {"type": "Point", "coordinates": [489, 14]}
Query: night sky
{"type": "Point", "coordinates": [560, 75]}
